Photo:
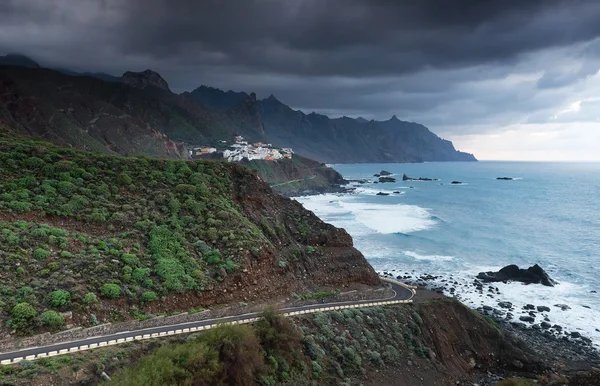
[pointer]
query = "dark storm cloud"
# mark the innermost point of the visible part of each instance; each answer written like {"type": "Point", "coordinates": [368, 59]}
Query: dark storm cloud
{"type": "Point", "coordinates": [353, 37]}
{"type": "Point", "coordinates": [446, 63]}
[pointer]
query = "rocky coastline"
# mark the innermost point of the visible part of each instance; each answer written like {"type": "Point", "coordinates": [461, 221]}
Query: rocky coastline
{"type": "Point", "coordinates": [563, 350]}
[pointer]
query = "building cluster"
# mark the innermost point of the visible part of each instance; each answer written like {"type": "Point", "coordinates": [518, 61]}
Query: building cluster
{"type": "Point", "coordinates": [241, 149]}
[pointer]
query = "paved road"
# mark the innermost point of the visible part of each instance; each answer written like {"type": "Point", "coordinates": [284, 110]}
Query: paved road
{"type": "Point", "coordinates": [291, 182]}
{"type": "Point", "coordinates": [401, 294]}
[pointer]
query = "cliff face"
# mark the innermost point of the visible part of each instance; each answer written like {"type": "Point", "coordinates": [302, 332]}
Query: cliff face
{"type": "Point", "coordinates": [347, 140]}
{"type": "Point", "coordinates": [126, 231]}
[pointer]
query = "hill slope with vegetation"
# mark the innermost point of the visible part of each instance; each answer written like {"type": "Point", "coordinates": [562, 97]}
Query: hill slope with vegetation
{"type": "Point", "coordinates": [87, 238]}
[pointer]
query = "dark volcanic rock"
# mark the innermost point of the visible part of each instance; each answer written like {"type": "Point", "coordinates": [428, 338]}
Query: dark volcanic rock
{"type": "Point", "coordinates": [407, 178]}
{"type": "Point", "coordinates": [382, 194]}
{"type": "Point", "coordinates": [529, 307]}
{"type": "Point", "coordinates": [385, 173]}
{"type": "Point", "coordinates": [456, 183]}
{"type": "Point", "coordinates": [528, 319]}
{"type": "Point", "coordinates": [563, 307]}
{"type": "Point", "coordinates": [505, 178]}
{"type": "Point", "coordinates": [531, 275]}
{"type": "Point", "coordinates": [387, 179]}
{"type": "Point", "coordinates": [505, 304]}
{"type": "Point", "coordinates": [543, 309]}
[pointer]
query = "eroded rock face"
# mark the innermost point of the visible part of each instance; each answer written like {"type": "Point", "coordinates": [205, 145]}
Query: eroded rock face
{"type": "Point", "coordinates": [531, 275]}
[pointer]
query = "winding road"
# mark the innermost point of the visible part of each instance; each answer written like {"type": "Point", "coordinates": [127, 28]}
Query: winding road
{"type": "Point", "coordinates": [402, 294]}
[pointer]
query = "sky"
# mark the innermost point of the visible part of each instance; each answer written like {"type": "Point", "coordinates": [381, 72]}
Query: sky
{"type": "Point", "coordinates": [503, 79]}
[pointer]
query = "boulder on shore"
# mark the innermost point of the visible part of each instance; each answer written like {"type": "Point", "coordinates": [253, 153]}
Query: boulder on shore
{"type": "Point", "coordinates": [407, 178]}
{"type": "Point", "coordinates": [531, 275]}
{"type": "Point", "coordinates": [386, 179]}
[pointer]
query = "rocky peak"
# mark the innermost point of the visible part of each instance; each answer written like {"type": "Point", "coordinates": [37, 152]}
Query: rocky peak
{"type": "Point", "coordinates": [145, 79]}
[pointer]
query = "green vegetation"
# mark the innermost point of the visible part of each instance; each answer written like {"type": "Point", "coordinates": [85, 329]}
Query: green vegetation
{"type": "Point", "coordinates": [80, 229]}
{"type": "Point", "coordinates": [52, 319]}
{"type": "Point", "coordinates": [59, 298]}
{"type": "Point", "coordinates": [315, 295]}
{"type": "Point", "coordinates": [226, 355]}
{"type": "Point", "coordinates": [110, 291]}
{"type": "Point", "coordinates": [516, 382]}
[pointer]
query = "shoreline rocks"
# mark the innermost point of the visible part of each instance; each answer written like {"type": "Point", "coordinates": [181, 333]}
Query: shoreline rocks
{"type": "Point", "coordinates": [505, 178]}
{"type": "Point", "coordinates": [386, 179]}
{"type": "Point", "coordinates": [531, 275]}
{"type": "Point", "coordinates": [407, 178]}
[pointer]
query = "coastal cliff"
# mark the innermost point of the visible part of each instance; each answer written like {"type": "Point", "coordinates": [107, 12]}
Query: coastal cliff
{"type": "Point", "coordinates": [89, 233]}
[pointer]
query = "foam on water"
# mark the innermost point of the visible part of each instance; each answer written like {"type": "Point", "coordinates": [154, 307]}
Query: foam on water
{"type": "Point", "coordinates": [417, 256]}
{"type": "Point", "coordinates": [381, 218]}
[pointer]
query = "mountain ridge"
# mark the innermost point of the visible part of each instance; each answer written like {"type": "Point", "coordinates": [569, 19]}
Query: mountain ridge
{"type": "Point", "coordinates": [139, 114]}
{"type": "Point", "coordinates": [340, 140]}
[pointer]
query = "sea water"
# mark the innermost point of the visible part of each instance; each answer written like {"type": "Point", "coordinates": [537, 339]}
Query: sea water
{"type": "Point", "coordinates": [549, 214]}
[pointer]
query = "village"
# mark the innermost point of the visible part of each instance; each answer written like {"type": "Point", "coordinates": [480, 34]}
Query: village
{"type": "Point", "coordinates": [241, 149]}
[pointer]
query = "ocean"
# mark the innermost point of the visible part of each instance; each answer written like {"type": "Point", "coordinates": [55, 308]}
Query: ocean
{"type": "Point", "coordinates": [549, 214]}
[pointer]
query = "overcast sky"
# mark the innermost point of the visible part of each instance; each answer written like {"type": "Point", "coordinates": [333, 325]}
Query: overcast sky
{"type": "Point", "coordinates": [503, 79]}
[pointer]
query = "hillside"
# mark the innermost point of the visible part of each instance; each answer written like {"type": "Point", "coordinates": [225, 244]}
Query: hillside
{"type": "Point", "coordinates": [136, 116]}
{"type": "Point", "coordinates": [93, 234]}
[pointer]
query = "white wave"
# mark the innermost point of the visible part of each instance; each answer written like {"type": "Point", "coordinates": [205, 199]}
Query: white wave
{"type": "Point", "coordinates": [387, 219]}
{"type": "Point", "coordinates": [344, 211]}
{"type": "Point", "coordinates": [417, 256]}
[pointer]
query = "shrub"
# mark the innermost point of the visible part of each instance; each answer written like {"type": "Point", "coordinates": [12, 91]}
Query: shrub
{"type": "Point", "coordinates": [278, 335]}
{"type": "Point", "coordinates": [130, 259]}
{"type": "Point", "coordinates": [19, 206]}
{"type": "Point", "coordinates": [149, 296]}
{"type": "Point", "coordinates": [124, 179]}
{"type": "Point", "coordinates": [140, 274]}
{"type": "Point", "coordinates": [185, 189]}
{"type": "Point", "coordinates": [52, 319]}
{"type": "Point", "coordinates": [59, 298]}
{"type": "Point", "coordinates": [66, 188]}
{"type": "Point", "coordinates": [41, 254]}
{"type": "Point", "coordinates": [173, 265]}
{"type": "Point", "coordinates": [213, 257]}
{"type": "Point", "coordinates": [22, 315]}
{"type": "Point", "coordinates": [89, 298]}
{"type": "Point", "coordinates": [66, 254]}
{"type": "Point", "coordinates": [110, 291]}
